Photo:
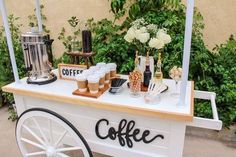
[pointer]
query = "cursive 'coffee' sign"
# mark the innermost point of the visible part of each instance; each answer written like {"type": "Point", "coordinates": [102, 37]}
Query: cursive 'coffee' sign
{"type": "Point", "coordinates": [126, 133]}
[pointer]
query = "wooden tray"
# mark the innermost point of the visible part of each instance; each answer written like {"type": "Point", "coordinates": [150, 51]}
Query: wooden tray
{"type": "Point", "coordinates": [88, 94]}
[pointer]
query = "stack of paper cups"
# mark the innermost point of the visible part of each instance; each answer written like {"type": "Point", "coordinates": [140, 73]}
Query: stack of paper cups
{"type": "Point", "coordinates": [106, 69]}
{"type": "Point", "coordinates": [82, 82]}
{"type": "Point", "coordinates": [112, 67]}
{"type": "Point", "coordinates": [93, 83]}
{"type": "Point", "coordinates": [101, 74]}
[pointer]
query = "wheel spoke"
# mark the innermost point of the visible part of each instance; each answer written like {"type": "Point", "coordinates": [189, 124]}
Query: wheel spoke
{"type": "Point", "coordinates": [40, 130]}
{"type": "Point", "coordinates": [62, 155]}
{"type": "Point", "coordinates": [33, 143]}
{"type": "Point", "coordinates": [50, 130]}
{"type": "Point", "coordinates": [32, 133]}
{"type": "Point", "coordinates": [68, 149]}
{"type": "Point", "coordinates": [60, 139]}
{"type": "Point", "coordinates": [36, 153]}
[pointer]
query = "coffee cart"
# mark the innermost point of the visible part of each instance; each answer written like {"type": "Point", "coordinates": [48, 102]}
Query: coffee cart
{"type": "Point", "coordinates": [116, 125]}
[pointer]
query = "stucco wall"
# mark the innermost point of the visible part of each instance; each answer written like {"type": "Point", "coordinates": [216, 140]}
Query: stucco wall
{"type": "Point", "coordinates": [219, 16]}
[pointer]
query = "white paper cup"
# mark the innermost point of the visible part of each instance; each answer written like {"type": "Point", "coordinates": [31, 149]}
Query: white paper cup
{"type": "Point", "coordinates": [112, 67]}
{"type": "Point", "coordinates": [101, 75]}
{"type": "Point", "coordinates": [93, 83]}
{"type": "Point", "coordinates": [107, 75]}
{"type": "Point", "coordinates": [82, 82]}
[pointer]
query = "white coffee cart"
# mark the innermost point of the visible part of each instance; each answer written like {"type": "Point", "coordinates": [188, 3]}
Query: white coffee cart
{"type": "Point", "coordinates": [115, 125]}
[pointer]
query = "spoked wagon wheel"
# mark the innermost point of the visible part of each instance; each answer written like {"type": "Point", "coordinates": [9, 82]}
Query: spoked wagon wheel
{"type": "Point", "coordinates": [43, 133]}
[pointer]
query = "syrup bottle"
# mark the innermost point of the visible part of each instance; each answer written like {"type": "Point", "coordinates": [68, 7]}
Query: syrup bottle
{"type": "Point", "coordinates": [158, 73]}
{"type": "Point", "coordinates": [136, 62]}
{"type": "Point", "coordinates": [147, 72]}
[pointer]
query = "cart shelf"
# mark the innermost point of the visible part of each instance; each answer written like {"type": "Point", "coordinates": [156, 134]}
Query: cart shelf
{"type": "Point", "coordinates": [61, 91]}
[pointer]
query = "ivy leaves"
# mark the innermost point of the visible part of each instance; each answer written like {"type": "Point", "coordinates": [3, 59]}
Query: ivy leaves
{"type": "Point", "coordinates": [71, 42]}
{"type": "Point", "coordinates": [33, 20]}
{"type": "Point", "coordinates": [117, 7]}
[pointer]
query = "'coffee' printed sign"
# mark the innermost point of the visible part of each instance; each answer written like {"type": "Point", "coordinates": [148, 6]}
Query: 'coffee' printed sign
{"type": "Point", "coordinates": [69, 71]}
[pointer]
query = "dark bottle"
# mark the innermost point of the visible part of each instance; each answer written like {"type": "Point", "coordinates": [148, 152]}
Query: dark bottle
{"type": "Point", "coordinates": [87, 41]}
{"type": "Point", "coordinates": [147, 74]}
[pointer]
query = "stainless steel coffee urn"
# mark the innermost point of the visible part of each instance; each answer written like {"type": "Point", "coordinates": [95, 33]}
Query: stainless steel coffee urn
{"type": "Point", "coordinates": [36, 48]}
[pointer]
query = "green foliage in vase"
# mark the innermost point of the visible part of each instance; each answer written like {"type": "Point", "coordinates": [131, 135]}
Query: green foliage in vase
{"type": "Point", "coordinates": [33, 20]}
{"type": "Point", "coordinates": [71, 42]}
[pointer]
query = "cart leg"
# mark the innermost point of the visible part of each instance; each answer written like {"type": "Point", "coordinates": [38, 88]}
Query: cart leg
{"type": "Point", "coordinates": [177, 140]}
{"type": "Point", "coordinates": [20, 104]}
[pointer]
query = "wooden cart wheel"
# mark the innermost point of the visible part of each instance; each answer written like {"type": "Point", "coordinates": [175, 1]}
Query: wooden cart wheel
{"type": "Point", "coordinates": [41, 132]}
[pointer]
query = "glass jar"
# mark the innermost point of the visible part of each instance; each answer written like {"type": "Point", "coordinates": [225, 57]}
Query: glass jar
{"type": "Point", "coordinates": [135, 87]}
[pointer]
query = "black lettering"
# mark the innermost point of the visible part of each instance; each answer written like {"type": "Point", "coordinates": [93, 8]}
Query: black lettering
{"type": "Point", "coordinates": [112, 133]}
{"type": "Point", "coordinates": [97, 129]}
{"type": "Point", "coordinates": [79, 71]}
{"type": "Point", "coordinates": [74, 72]}
{"type": "Point", "coordinates": [151, 140]}
{"type": "Point", "coordinates": [135, 133]}
{"type": "Point", "coordinates": [119, 134]}
{"type": "Point", "coordinates": [124, 133]}
{"type": "Point", "coordinates": [129, 128]}
{"type": "Point", "coordinates": [63, 72]}
{"type": "Point", "coordinates": [70, 72]}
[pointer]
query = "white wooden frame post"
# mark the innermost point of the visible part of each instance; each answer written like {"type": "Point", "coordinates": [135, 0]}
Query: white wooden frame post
{"type": "Point", "coordinates": [38, 14]}
{"type": "Point", "coordinates": [9, 40]}
{"type": "Point", "coordinates": [187, 49]}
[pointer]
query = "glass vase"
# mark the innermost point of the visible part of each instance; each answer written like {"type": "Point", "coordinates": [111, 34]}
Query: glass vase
{"type": "Point", "coordinates": [135, 88]}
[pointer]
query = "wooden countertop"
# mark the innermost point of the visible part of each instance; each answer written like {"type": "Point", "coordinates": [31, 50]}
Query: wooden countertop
{"type": "Point", "coordinates": [61, 91]}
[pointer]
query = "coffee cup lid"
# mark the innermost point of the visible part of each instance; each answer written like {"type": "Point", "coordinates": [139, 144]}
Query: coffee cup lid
{"type": "Point", "coordinates": [87, 72]}
{"type": "Point", "coordinates": [81, 77]}
{"type": "Point", "coordinates": [100, 73]}
{"type": "Point", "coordinates": [106, 69]}
{"type": "Point", "coordinates": [94, 67]}
{"type": "Point", "coordinates": [112, 66]}
{"type": "Point", "coordinates": [101, 64]}
{"type": "Point", "coordinates": [93, 78]}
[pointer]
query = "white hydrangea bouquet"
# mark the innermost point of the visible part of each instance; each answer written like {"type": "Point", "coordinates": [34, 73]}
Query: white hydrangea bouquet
{"type": "Point", "coordinates": [148, 36]}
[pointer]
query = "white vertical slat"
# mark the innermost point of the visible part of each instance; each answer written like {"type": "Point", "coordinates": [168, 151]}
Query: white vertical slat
{"type": "Point", "coordinates": [9, 40]}
{"type": "Point", "coordinates": [187, 48]}
{"type": "Point", "coordinates": [38, 15]}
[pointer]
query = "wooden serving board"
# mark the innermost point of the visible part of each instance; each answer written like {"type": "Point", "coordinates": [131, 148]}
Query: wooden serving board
{"type": "Point", "coordinates": [88, 94]}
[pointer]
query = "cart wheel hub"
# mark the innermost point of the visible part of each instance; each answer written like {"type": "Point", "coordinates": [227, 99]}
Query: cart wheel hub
{"type": "Point", "coordinates": [51, 151]}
